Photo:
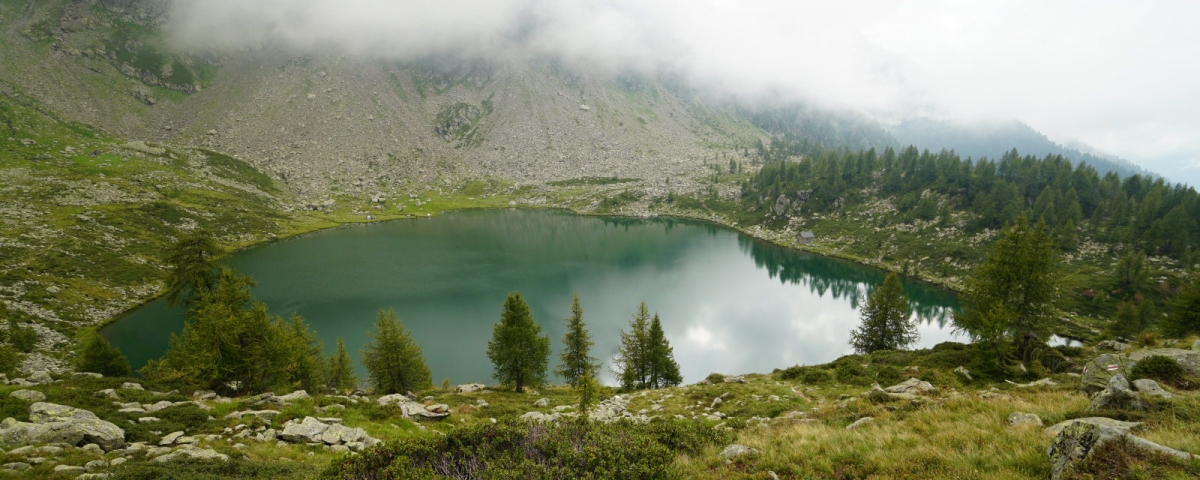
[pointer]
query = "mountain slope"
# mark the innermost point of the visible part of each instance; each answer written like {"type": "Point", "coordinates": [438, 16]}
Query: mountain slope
{"type": "Point", "coordinates": [992, 141]}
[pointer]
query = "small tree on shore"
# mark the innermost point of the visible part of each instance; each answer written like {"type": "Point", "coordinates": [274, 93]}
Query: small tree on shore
{"type": "Point", "coordinates": [577, 343]}
{"type": "Point", "coordinates": [518, 350]}
{"type": "Point", "coordinates": [664, 372]}
{"type": "Point", "coordinates": [1009, 297]}
{"type": "Point", "coordinates": [886, 323]}
{"type": "Point", "coordinates": [96, 355]}
{"type": "Point", "coordinates": [394, 361]}
{"type": "Point", "coordinates": [192, 262]}
{"type": "Point", "coordinates": [341, 375]}
{"type": "Point", "coordinates": [633, 357]}
{"type": "Point", "coordinates": [645, 358]}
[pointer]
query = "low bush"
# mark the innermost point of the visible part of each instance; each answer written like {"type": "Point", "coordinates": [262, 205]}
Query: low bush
{"type": "Point", "coordinates": [521, 450]}
{"type": "Point", "coordinates": [947, 356]}
{"type": "Point", "coordinates": [1160, 368]}
{"type": "Point", "coordinates": [887, 375]}
{"type": "Point", "coordinates": [715, 378]}
{"type": "Point", "coordinates": [808, 375]}
{"type": "Point", "coordinates": [21, 337]}
{"type": "Point", "coordinates": [187, 469]}
{"type": "Point", "coordinates": [10, 358]}
{"type": "Point", "coordinates": [853, 374]}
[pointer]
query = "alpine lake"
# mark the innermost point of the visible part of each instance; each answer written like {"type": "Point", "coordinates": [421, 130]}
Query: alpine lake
{"type": "Point", "coordinates": [728, 303]}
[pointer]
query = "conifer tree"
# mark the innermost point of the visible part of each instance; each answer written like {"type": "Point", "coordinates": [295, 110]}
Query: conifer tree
{"type": "Point", "coordinates": [577, 343]}
{"type": "Point", "coordinates": [394, 361]}
{"type": "Point", "coordinates": [230, 342]}
{"type": "Point", "coordinates": [1009, 296]}
{"type": "Point", "coordinates": [96, 355]}
{"type": "Point", "coordinates": [518, 350]}
{"type": "Point", "coordinates": [1185, 316]}
{"type": "Point", "coordinates": [193, 266]}
{"type": "Point", "coordinates": [341, 375]}
{"type": "Point", "coordinates": [664, 372]}
{"type": "Point", "coordinates": [633, 357]}
{"type": "Point", "coordinates": [886, 322]}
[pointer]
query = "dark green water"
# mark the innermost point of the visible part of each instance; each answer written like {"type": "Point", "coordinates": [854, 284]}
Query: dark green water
{"type": "Point", "coordinates": [728, 303]}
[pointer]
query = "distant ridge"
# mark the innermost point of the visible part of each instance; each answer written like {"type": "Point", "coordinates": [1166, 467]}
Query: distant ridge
{"type": "Point", "coordinates": [992, 141]}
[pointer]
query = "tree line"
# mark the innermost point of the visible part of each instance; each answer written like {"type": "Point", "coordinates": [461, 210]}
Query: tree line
{"type": "Point", "coordinates": [231, 344]}
{"type": "Point", "coordinates": [1150, 214]}
{"type": "Point", "coordinates": [1009, 306]}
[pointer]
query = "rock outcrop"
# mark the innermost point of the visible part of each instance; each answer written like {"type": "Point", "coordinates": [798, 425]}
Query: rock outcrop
{"type": "Point", "coordinates": [1124, 427]}
{"type": "Point", "coordinates": [1020, 419]}
{"type": "Point", "coordinates": [411, 408]}
{"type": "Point", "coordinates": [735, 451]}
{"type": "Point", "coordinates": [1102, 368]}
{"type": "Point", "coordinates": [1116, 396]}
{"type": "Point", "coordinates": [912, 386]}
{"type": "Point", "coordinates": [51, 423]}
{"type": "Point", "coordinates": [1188, 359]}
{"type": "Point", "coordinates": [1078, 440]}
{"type": "Point", "coordinates": [28, 395]}
{"type": "Point", "coordinates": [311, 430]}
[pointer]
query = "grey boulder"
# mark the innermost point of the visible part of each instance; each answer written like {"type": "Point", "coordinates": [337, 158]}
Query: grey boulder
{"type": "Point", "coordinates": [1079, 440]}
{"type": "Point", "coordinates": [28, 395]}
{"type": "Point", "coordinates": [1148, 387]}
{"type": "Point", "coordinates": [51, 423]}
{"type": "Point", "coordinates": [1117, 396]}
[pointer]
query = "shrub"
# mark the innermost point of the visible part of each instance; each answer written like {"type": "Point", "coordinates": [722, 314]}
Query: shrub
{"type": "Point", "coordinates": [809, 375]}
{"type": "Point", "coordinates": [715, 378]}
{"type": "Point", "coordinates": [853, 374]}
{"type": "Point", "coordinates": [9, 359]}
{"type": "Point", "coordinates": [96, 355]}
{"type": "Point", "coordinates": [888, 375]}
{"type": "Point", "coordinates": [1068, 351]}
{"type": "Point", "coordinates": [21, 337]}
{"type": "Point", "coordinates": [1158, 367]}
{"type": "Point", "coordinates": [947, 356]}
{"type": "Point", "coordinates": [521, 450]}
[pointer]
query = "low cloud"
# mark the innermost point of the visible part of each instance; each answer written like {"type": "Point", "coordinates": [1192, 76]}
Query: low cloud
{"type": "Point", "coordinates": [1121, 76]}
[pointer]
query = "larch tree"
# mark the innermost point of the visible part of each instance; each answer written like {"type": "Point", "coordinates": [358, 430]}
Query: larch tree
{"type": "Point", "coordinates": [664, 372]}
{"type": "Point", "coordinates": [96, 355]}
{"type": "Point", "coordinates": [633, 358]}
{"type": "Point", "coordinates": [1009, 297]}
{"type": "Point", "coordinates": [192, 264]}
{"type": "Point", "coordinates": [340, 374]}
{"type": "Point", "coordinates": [394, 361]}
{"type": "Point", "coordinates": [886, 320]}
{"type": "Point", "coordinates": [577, 344]}
{"type": "Point", "coordinates": [1185, 316]}
{"type": "Point", "coordinates": [518, 350]}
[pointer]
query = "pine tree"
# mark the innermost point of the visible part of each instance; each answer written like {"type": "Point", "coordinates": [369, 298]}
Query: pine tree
{"type": "Point", "coordinates": [664, 372]}
{"type": "Point", "coordinates": [1014, 285]}
{"type": "Point", "coordinates": [340, 375]}
{"type": "Point", "coordinates": [1131, 277]}
{"type": "Point", "coordinates": [1125, 322]}
{"type": "Point", "coordinates": [305, 366]}
{"type": "Point", "coordinates": [576, 363]}
{"type": "Point", "coordinates": [1185, 316]}
{"type": "Point", "coordinates": [394, 361]}
{"type": "Point", "coordinates": [633, 357]}
{"type": "Point", "coordinates": [588, 389]}
{"type": "Point", "coordinates": [193, 266]}
{"type": "Point", "coordinates": [96, 355]}
{"type": "Point", "coordinates": [518, 350]}
{"type": "Point", "coordinates": [886, 323]}
{"type": "Point", "coordinates": [230, 343]}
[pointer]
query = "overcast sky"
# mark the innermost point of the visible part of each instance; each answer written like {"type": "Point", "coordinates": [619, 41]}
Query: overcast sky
{"type": "Point", "coordinates": [1123, 77]}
